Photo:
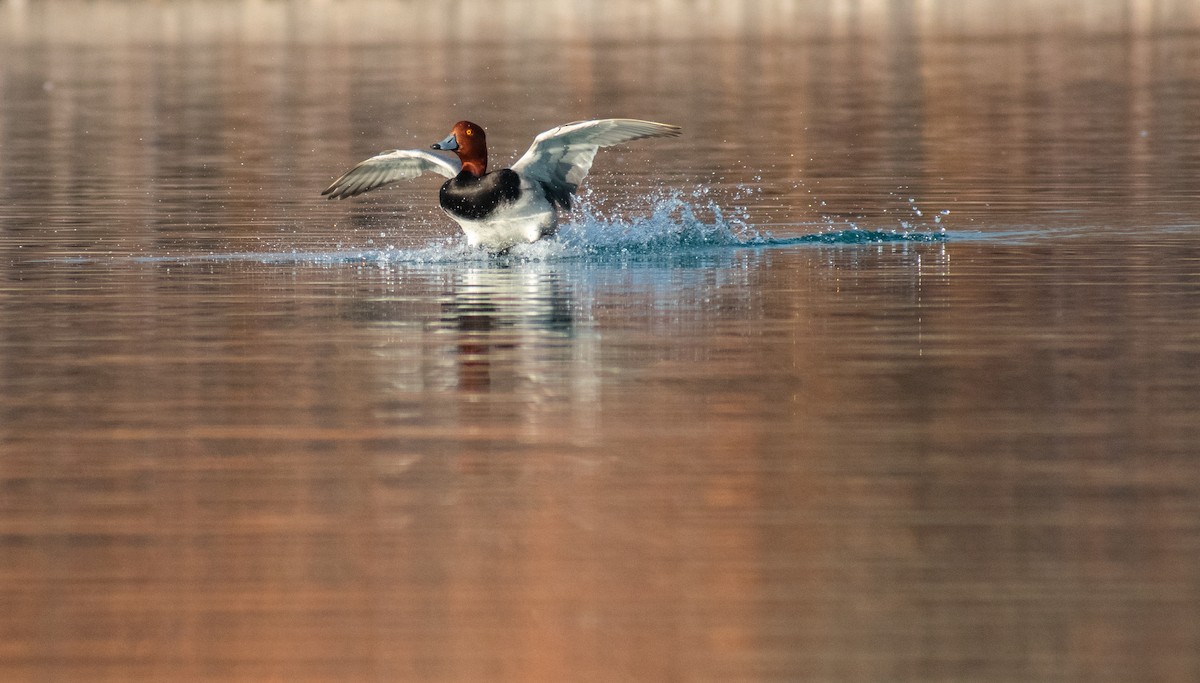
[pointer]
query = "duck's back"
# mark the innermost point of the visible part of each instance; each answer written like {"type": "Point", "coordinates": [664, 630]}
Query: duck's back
{"type": "Point", "coordinates": [476, 198]}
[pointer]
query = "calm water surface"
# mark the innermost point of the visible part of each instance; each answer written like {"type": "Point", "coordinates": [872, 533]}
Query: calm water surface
{"type": "Point", "coordinates": [888, 370]}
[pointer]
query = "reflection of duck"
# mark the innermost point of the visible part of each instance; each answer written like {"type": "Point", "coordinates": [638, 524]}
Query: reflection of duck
{"type": "Point", "coordinates": [512, 205]}
{"type": "Point", "coordinates": [498, 310]}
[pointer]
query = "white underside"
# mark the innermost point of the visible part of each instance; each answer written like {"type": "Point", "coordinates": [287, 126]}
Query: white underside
{"type": "Point", "coordinates": [528, 219]}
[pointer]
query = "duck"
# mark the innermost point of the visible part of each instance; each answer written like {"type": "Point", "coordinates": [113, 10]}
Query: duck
{"type": "Point", "coordinates": [500, 209]}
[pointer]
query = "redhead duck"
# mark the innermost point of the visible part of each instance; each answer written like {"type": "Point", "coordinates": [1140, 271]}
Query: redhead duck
{"type": "Point", "coordinates": [512, 205]}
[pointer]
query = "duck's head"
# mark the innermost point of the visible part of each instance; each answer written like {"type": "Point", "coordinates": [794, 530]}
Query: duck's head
{"type": "Point", "coordinates": [469, 142]}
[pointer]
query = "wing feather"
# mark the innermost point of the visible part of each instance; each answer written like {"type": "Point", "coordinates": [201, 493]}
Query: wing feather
{"type": "Point", "coordinates": [561, 157]}
{"type": "Point", "coordinates": [388, 167]}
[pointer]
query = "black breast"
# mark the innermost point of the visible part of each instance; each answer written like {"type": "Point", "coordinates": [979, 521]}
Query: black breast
{"type": "Point", "coordinates": [467, 196]}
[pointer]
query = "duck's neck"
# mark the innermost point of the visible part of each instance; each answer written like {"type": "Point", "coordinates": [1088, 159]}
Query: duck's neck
{"type": "Point", "coordinates": [476, 165]}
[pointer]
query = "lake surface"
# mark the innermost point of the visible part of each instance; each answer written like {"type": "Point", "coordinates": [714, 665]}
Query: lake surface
{"type": "Point", "coordinates": [887, 370]}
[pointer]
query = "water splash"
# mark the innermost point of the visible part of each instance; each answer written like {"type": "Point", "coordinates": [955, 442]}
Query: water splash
{"type": "Point", "coordinates": [675, 222]}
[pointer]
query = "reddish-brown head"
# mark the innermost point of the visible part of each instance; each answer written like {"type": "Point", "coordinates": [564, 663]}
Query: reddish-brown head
{"type": "Point", "coordinates": [469, 142]}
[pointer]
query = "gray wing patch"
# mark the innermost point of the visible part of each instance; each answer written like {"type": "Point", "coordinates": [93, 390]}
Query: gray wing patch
{"type": "Point", "coordinates": [558, 186]}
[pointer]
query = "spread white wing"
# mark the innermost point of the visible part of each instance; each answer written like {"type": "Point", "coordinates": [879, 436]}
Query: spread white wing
{"type": "Point", "coordinates": [559, 158]}
{"type": "Point", "coordinates": [388, 167]}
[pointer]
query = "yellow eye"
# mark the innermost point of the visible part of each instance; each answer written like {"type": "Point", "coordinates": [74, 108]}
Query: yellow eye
{"type": "Point", "coordinates": [470, 132]}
